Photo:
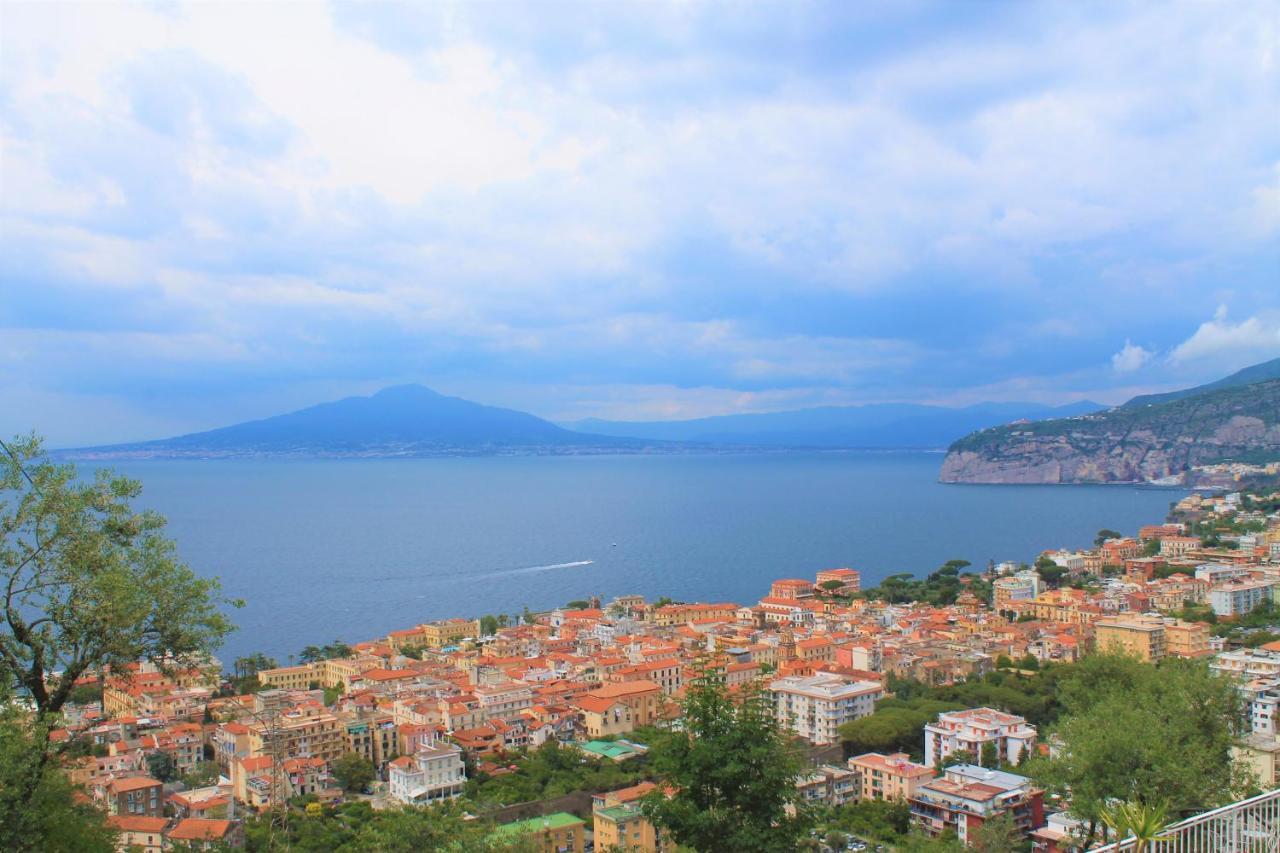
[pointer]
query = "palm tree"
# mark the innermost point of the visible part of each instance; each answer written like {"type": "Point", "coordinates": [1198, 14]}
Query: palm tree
{"type": "Point", "coordinates": [1142, 821]}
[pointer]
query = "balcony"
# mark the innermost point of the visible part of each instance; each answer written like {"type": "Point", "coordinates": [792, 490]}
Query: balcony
{"type": "Point", "coordinates": [1249, 826]}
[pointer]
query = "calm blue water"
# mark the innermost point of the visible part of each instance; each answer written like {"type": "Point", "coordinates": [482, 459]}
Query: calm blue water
{"type": "Point", "coordinates": [351, 549]}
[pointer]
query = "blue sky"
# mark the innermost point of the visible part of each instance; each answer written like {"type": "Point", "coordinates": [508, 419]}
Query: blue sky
{"type": "Point", "coordinates": [220, 211]}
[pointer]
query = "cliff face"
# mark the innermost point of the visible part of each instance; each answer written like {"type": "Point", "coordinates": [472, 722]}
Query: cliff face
{"type": "Point", "coordinates": [1128, 444]}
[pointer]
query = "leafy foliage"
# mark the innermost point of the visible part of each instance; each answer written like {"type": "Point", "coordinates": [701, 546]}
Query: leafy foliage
{"type": "Point", "coordinates": [1135, 733]}
{"type": "Point", "coordinates": [354, 772]}
{"type": "Point", "coordinates": [730, 774]}
{"type": "Point", "coordinates": [88, 583]}
{"type": "Point", "coordinates": [550, 771]}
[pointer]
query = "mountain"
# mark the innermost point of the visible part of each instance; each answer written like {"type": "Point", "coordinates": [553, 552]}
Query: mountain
{"type": "Point", "coordinates": [1155, 437]}
{"type": "Point", "coordinates": [1247, 376]}
{"type": "Point", "coordinates": [881, 425]}
{"type": "Point", "coordinates": [405, 420]}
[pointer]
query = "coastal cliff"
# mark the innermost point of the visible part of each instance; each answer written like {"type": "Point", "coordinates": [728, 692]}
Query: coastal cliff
{"type": "Point", "coordinates": [1138, 442]}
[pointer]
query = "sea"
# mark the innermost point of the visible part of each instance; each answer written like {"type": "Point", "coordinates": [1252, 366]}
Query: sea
{"type": "Point", "coordinates": [351, 549]}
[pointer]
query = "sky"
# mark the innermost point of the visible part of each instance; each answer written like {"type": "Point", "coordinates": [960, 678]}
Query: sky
{"type": "Point", "coordinates": [214, 212]}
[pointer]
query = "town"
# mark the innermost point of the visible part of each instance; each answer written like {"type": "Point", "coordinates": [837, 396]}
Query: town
{"type": "Point", "coordinates": [463, 710]}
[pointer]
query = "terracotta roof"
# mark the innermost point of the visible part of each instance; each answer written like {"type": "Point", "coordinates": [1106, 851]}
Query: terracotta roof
{"type": "Point", "coordinates": [200, 829]}
{"type": "Point", "coordinates": [137, 823]}
{"type": "Point", "coordinates": [134, 783]}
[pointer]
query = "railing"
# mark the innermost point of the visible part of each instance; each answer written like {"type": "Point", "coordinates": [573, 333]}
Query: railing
{"type": "Point", "coordinates": [1249, 826]}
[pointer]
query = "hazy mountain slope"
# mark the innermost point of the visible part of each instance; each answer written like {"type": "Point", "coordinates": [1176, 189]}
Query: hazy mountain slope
{"type": "Point", "coordinates": [398, 421]}
{"type": "Point", "coordinates": [1130, 443]}
{"type": "Point", "coordinates": [877, 425]}
{"type": "Point", "coordinates": [1247, 376]}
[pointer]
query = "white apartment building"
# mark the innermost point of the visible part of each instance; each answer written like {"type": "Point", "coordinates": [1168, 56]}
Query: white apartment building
{"type": "Point", "coordinates": [1262, 698]}
{"type": "Point", "coordinates": [435, 772]}
{"type": "Point", "coordinates": [815, 706]}
{"type": "Point", "coordinates": [504, 699]}
{"type": "Point", "coordinates": [970, 730]}
{"type": "Point", "coordinates": [1238, 597]}
{"type": "Point", "coordinates": [1247, 663]}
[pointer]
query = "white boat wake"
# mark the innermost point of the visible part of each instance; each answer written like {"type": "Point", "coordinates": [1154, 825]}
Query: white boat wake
{"type": "Point", "coordinates": [531, 569]}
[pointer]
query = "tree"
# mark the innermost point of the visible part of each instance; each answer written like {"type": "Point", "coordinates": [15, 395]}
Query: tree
{"type": "Point", "coordinates": [831, 586]}
{"type": "Point", "coordinates": [1133, 733]}
{"type": "Point", "coordinates": [354, 772]}
{"type": "Point", "coordinates": [1003, 662]}
{"type": "Point", "coordinates": [728, 777]}
{"type": "Point", "coordinates": [488, 626]}
{"type": "Point", "coordinates": [1029, 662]}
{"type": "Point", "coordinates": [38, 808]}
{"type": "Point", "coordinates": [989, 756]}
{"type": "Point", "coordinates": [997, 835]}
{"type": "Point", "coordinates": [160, 765]}
{"type": "Point", "coordinates": [577, 604]}
{"type": "Point", "coordinates": [1104, 534]}
{"type": "Point", "coordinates": [89, 583]}
{"type": "Point", "coordinates": [1144, 822]}
{"type": "Point", "coordinates": [205, 773]}
{"type": "Point", "coordinates": [310, 654]}
{"type": "Point", "coordinates": [888, 730]}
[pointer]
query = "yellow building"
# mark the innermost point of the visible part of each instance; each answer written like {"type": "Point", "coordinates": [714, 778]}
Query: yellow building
{"type": "Point", "coordinates": [1142, 637]}
{"type": "Point", "coordinates": [1187, 639]}
{"type": "Point", "coordinates": [619, 824]}
{"type": "Point", "coordinates": [554, 833]}
{"type": "Point", "coordinates": [644, 698]}
{"type": "Point", "coordinates": [290, 677]}
{"type": "Point", "coordinates": [888, 777]}
{"type": "Point", "coordinates": [449, 632]}
{"type": "Point", "coordinates": [305, 732]}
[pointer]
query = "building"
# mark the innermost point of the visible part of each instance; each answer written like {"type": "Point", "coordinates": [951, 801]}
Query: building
{"type": "Point", "coordinates": [1023, 586]}
{"type": "Point", "coordinates": [554, 833]}
{"type": "Point", "coordinates": [1187, 639]}
{"type": "Point", "coordinates": [792, 589]}
{"type": "Point", "coordinates": [435, 772]}
{"type": "Point", "coordinates": [850, 581]}
{"type": "Point", "coordinates": [815, 706]}
{"type": "Point", "coordinates": [1260, 753]}
{"type": "Point", "coordinates": [829, 785]}
{"type": "Point", "coordinates": [1238, 597]}
{"type": "Point", "coordinates": [972, 730]}
{"type": "Point", "coordinates": [290, 677]}
{"type": "Point", "coordinates": [1178, 545]}
{"type": "Point", "coordinates": [643, 698]}
{"type": "Point", "coordinates": [967, 796]}
{"type": "Point", "coordinates": [619, 824]}
{"type": "Point", "coordinates": [138, 833]}
{"type": "Point", "coordinates": [448, 632]}
{"type": "Point", "coordinates": [1141, 637]}
{"type": "Point", "coordinates": [888, 777]}
{"type": "Point", "coordinates": [196, 833]}
{"type": "Point", "coordinates": [135, 795]}
{"type": "Point", "coordinates": [310, 731]}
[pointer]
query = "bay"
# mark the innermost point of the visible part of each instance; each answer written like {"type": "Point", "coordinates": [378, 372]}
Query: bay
{"type": "Point", "coordinates": [351, 549]}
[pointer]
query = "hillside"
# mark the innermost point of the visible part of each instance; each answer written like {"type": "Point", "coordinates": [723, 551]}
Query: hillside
{"type": "Point", "coordinates": [1248, 376]}
{"type": "Point", "coordinates": [882, 425]}
{"type": "Point", "coordinates": [405, 420]}
{"type": "Point", "coordinates": [1136, 442]}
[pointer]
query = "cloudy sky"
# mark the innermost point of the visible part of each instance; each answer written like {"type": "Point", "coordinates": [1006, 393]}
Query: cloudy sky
{"type": "Point", "coordinates": [220, 211]}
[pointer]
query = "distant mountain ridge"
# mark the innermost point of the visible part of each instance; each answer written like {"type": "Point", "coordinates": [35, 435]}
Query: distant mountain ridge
{"type": "Point", "coordinates": [1152, 437]}
{"type": "Point", "coordinates": [403, 420]}
{"type": "Point", "coordinates": [878, 425]}
{"type": "Point", "coordinates": [411, 420]}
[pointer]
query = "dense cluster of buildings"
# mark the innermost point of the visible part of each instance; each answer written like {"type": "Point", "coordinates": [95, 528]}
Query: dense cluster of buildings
{"type": "Point", "coordinates": [424, 703]}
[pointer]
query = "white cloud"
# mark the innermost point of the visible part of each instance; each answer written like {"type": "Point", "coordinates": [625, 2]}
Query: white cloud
{"type": "Point", "coordinates": [1131, 357]}
{"type": "Point", "coordinates": [1257, 337]}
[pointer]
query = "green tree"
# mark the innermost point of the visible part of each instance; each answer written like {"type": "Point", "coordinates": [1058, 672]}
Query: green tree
{"type": "Point", "coordinates": [1145, 822]}
{"type": "Point", "coordinates": [887, 730]}
{"type": "Point", "coordinates": [160, 766]}
{"type": "Point", "coordinates": [1003, 662]}
{"type": "Point", "coordinates": [1104, 534]}
{"type": "Point", "coordinates": [90, 584]}
{"type": "Point", "coordinates": [577, 604]}
{"type": "Point", "coordinates": [1029, 662]}
{"type": "Point", "coordinates": [997, 835]}
{"type": "Point", "coordinates": [1136, 734]}
{"type": "Point", "coordinates": [38, 807]}
{"type": "Point", "coordinates": [989, 755]}
{"type": "Point", "coordinates": [732, 775]}
{"type": "Point", "coordinates": [354, 772]}
{"type": "Point", "coordinates": [205, 773]}
{"type": "Point", "coordinates": [488, 626]}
